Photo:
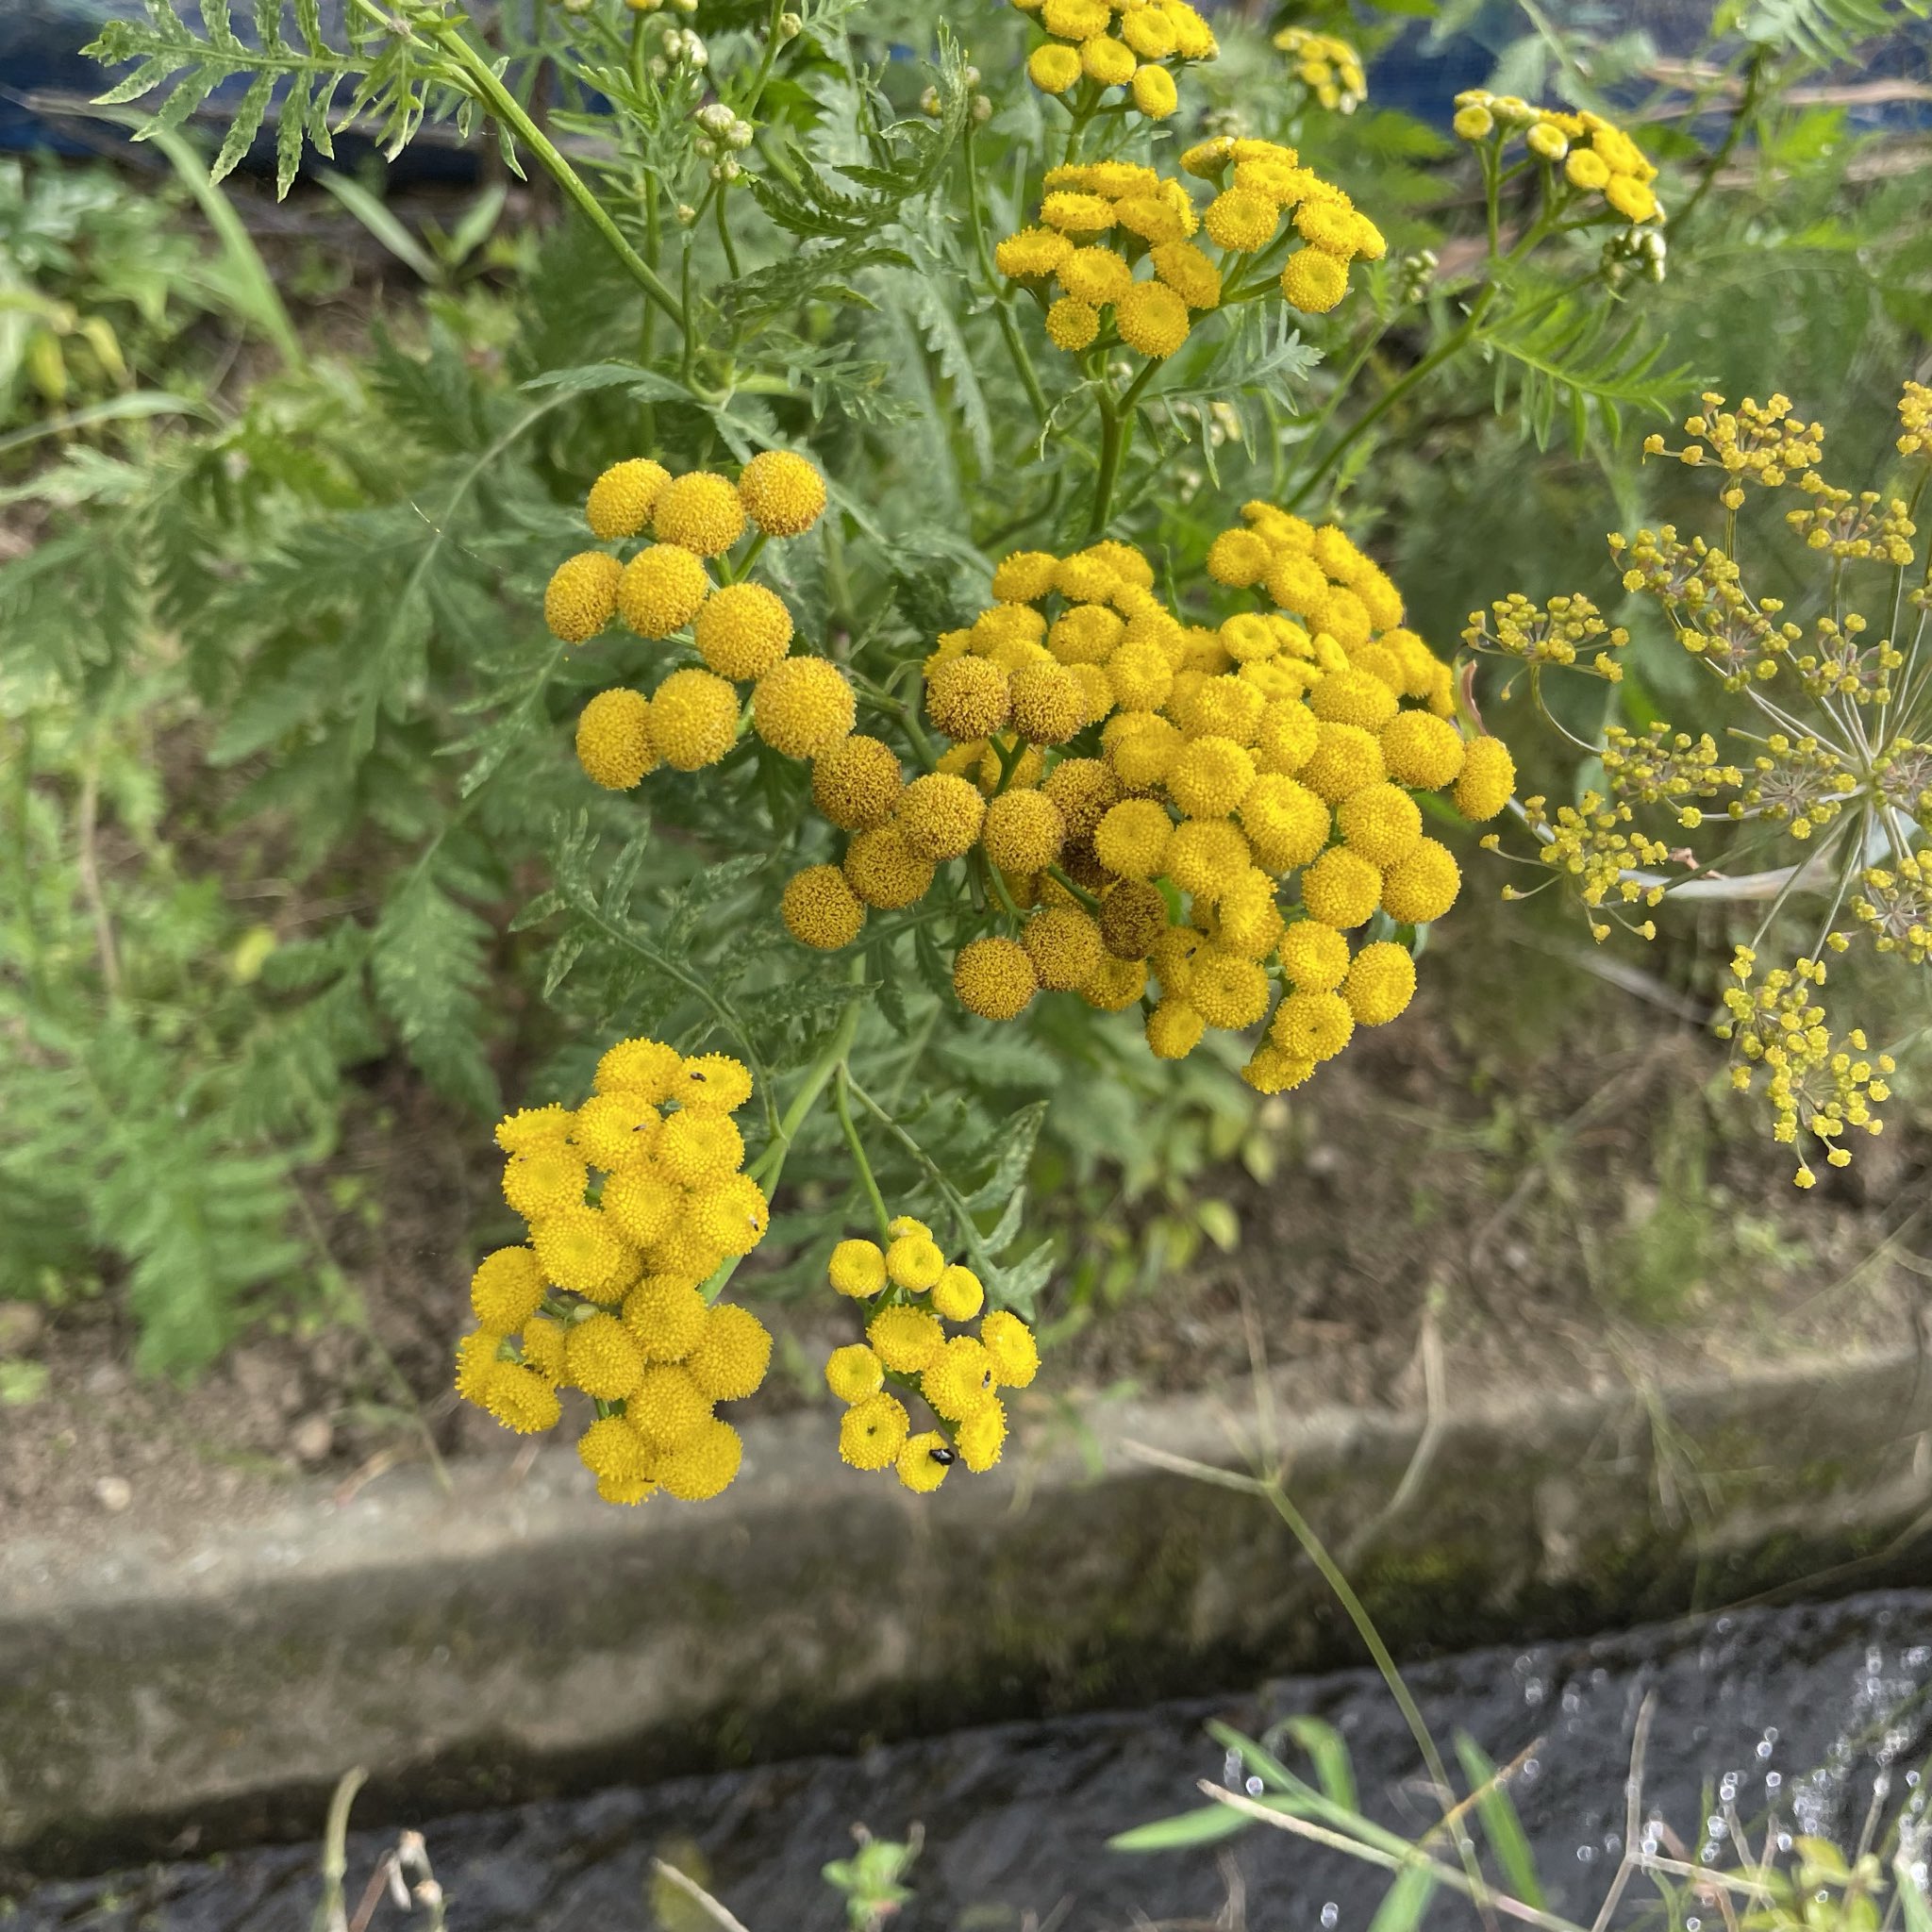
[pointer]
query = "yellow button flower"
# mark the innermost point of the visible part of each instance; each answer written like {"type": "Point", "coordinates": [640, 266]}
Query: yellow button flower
{"type": "Point", "coordinates": [883, 870]}
{"type": "Point", "coordinates": [704, 1466]}
{"type": "Point", "coordinates": [581, 597]}
{"type": "Point", "coordinates": [699, 512]}
{"type": "Point", "coordinates": [1380, 983]}
{"type": "Point", "coordinates": [922, 1463]}
{"type": "Point", "coordinates": [1064, 945]}
{"type": "Point", "coordinates": [873, 1431]}
{"type": "Point", "coordinates": [1488, 779]}
{"type": "Point", "coordinates": [853, 1373]}
{"type": "Point", "coordinates": [820, 909]}
{"type": "Point", "coordinates": [994, 979]}
{"type": "Point", "coordinates": [803, 705]}
{"type": "Point", "coordinates": [694, 719]}
{"type": "Point", "coordinates": [507, 1288]}
{"type": "Point", "coordinates": [1423, 885]}
{"type": "Point", "coordinates": [660, 590]}
{"type": "Point", "coordinates": [614, 742]}
{"type": "Point", "coordinates": [1022, 831]}
{"type": "Point", "coordinates": [857, 1269]}
{"type": "Point", "coordinates": [1342, 889]}
{"type": "Point", "coordinates": [782, 492]}
{"type": "Point", "coordinates": [601, 1358]}
{"type": "Point", "coordinates": [743, 630]}
{"type": "Point", "coordinates": [1152, 317]}
{"type": "Point", "coordinates": [906, 1339]}
{"type": "Point", "coordinates": [1381, 822]}
{"type": "Point", "coordinates": [1011, 1349]}
{"type": "Point", "coordinates": [622, 499]}
{"type": "Point", "coordinates": [732, 1354]}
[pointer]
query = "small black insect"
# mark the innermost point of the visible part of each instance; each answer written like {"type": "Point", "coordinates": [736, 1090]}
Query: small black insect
{"type": "Point", "coordinates": [944, 1456]}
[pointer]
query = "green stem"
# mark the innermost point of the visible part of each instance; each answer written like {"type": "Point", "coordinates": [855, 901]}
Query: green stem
{"type": "Point", "coordinates": [1003, 310]}
{"type": "Point", "coordinates": [483, 84]}
{"type": "Point", "coordinates": [1747, 106]}
{"type": "Point", "coordinates": [1085, 897]}
{"type": "Point", "coordinates": [842, 1105]}
{"type": "Point", "coordinates": [724, 236]}
{"type": "Point", "coordinates": [1116, 432]}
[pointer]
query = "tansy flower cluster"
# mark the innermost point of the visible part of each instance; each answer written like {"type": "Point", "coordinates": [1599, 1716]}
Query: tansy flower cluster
{"type": "Point", "coordinates": [1330, 68]}
{"type": "Point", "coordinates": [606, 1296]}
{"type": "Point", "coordinates": [1098, 45]}
{"type": "Point", "coordinates": [742, 631]}
{"type": "Point", "coordinates": [1582, 152]}
{"type": "Point", "coordinates": [1133, 259]}
{"type": "Point", "coordinates": [910, 1295]}
{"type": "Point", "coordinates": [1130, 793]}
{"type": "Point", "coordinates": [1829, 776]}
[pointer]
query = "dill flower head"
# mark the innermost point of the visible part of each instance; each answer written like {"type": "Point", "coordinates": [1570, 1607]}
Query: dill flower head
{"type": "Point", "coordinates": [612, 1130]}
{"type": "Point", "coordinates": [1381, 822]}
{"type": "Point", "coordinates": [694, 719]}
{"type": "Point", "coordinates": [601, 1357]}
{"type": "Point", "coordinates": [1313, 281]}
{"type": "Point", "coordinates": [1173, 1029]}
{"type": "Point", "coordinates": [1152, 317]}
{"type": "Point", "coordinates": [855, 782]}
{"type": "Point", "coordinates": [922, 1463]}
{"type": "Point", "coordinates": [873, 1431]}
{"type": "Point", "coordinates": [645, 1066]}
{"type": "Point", "coordinates": [1314, 957]}
{"type": "Point", "coordinates": [959, 1380]}
{"type": "Point", "coordinates": [1011, 1351]}
{"type": "Point", "coordinates": [1488, 779]}
{"type": "Point", "coordinates": [1064, 945]}
{"type": "Point", "coordinates": [1380, 983]}
{"type": "Point", "coordinates": [857, 1269]}
{"type": "Point", "coordinates": [507, 1288]}
{"type": "Point", "coordinates": [906, 1339]}
{"type": "Point", "coordinates": [968, 698]}
{"type": "Point", "coordinates": [581, 597]}
{"type": "Point", "coordinates": [665, 1316]}
{"type": "Point", "coordinates": [731, 1215]}
{"type": "Point", "coordinates": [698, 513]}
{"type": "Point", "coordinates": [661, 589]}
{"type": "Point", "coordinates": [940, 815]}
{"type": "Point", "coordinates": [957, 1294]}
{"type": "Point", "coordinates": [705, 1465]}
{"type": "Point", "coordinates": [1423, 885]}
{"type": "Point", "coordinates": [1422, 749]}
{"type": "Point", "coordinates": [853, 1373]}
{"type": "Point", "coordinates": [743, 630]}
{"type": "Point", "coordinates": [530, 1127]}
{"type": "Point", "coordinates": [883, 870]}
{"type": "Point", "coordinates": [1048, 704]}
{"type": "Point", "coordinates": [614, 742]}
{"type": "Point", "coordinates": [1022, 831]}
{"type": "Point", "coordinates": [622, 499]}
{"type": "Point", "coordinates": [993, 977]}
{"type": "Point", "coordinates": [732, 1354]}
{"type": "Point", "coordinates": [1342, 889]}
{"type": "Point", "coordinates": [1132, 838]}
{"type": "Point", "coordinates": [782, 492]}
{"type": "Point", "coordinates": [547, 1179]}
{"type": "Point", "coordinates": [801, 706]}
{"type": "Point", "coordinates": [698, 1150]}
{"type": "Point", "coordinates": [820, 909]}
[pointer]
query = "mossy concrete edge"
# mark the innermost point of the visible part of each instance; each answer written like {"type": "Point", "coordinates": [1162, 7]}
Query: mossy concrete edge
{"type": "Point", "coordinates": [511, 1639]}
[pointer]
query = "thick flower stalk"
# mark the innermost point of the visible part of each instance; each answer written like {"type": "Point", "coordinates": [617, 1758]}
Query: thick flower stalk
{"type": "Point", "coordinates": [634, 1201]}
{"type": "Point", "coordinates": [1828, 768]}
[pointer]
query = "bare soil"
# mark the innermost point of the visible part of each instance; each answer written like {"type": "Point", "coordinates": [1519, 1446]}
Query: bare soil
{"type": "Point", "coordinates": [1549, 1185]}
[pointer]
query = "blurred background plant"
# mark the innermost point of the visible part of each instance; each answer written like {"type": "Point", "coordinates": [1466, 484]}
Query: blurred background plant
{"type": "Point", "coordinates": [276, 695]}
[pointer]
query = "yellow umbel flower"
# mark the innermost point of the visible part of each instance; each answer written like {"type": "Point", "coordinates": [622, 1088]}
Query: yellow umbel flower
{"type": "Point", "coordinates": [820, 909]}
{"type": "Point", "coordinates": [612, 1130]}
{"type": "Point", "coordinates": [883, 870]}
{"type": "Point", "coordinates": [994, 978]}
{"type": "Point", "coordinates": [549, 1177]}
{"type": "Point", "coordinates": [582, 596]}
{"type": "Point", "coordinates": [853, 1373]}
{"type": "Point", "coordinates": [698, 1150]}
{"type": "Point", "coordinates": [694, 719]}
{"type": "Point", "coordinates": [705, 1466]}
{"type": "Point", "coordinates": [699, 512]}
{"type": "Point", "coordinates": [743, 630]}
{"type": "Point", "coordinates": [855, 782]}
{"type": "Point", "coordinates": [507, 1288]}
{"type": "Point", "coordinates": [614, 742]}
{"type": "Point", "coordinates": [665, 1317]}
{"type": "Point", "coordinates": [857, 1269]}
{"type": "Point", "coordinates": [622, 499]}
{"type": "Point", "coordinates": [873, 1431]}
{"type": "Point", "coordinates": [906, 1339]}
{"type": "Point", "coordinates": [1380, 983]}
{"type": "Point", "coordinates": [1488, 780]}
{"type": "Point", "coordinates": [1423, 885]}
{"type": "Point", "coordinates": [940, 815]}
{"type": "Point", "coordinates": [660, 590]}
{"type": "Point", "coordinates": [1011, 1349]}
{"type": "Point", "coordinates": [645, 1066]}
{"type": "Point", "coordinates": [732, 1356]}
{"type": "Point", "coordinates": [782, 492]}
{"type": "Point", "coordinates": [922, 1463]}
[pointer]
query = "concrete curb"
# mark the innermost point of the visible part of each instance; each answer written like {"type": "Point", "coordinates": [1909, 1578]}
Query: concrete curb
{"type": "Point", "coordinates": [511, 1642]}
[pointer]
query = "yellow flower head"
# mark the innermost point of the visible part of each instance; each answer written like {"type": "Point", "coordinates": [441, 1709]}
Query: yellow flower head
{"type": "Point", "coordinates": [959, 1380]}
{"type": "Point", "coordinates": [1313, 1025]}
{"type": "Point", "coordinates": [906, 1339]}
{"type": "Point", "coordinates": [803, 705]}
{"type": "Point", "coordinates": [549, 1177]}
{"type": "Point", "coordinates": [665, 1317]}
{"type": "Point", "coordinates": [1487, 781]}
{"type": "Point", "coordinates": [743, 630]}
{"type": "Point", "coordinates": [713, 1083]}
{"type": "Point", "coordinates": [622, 499]}
{"type": "Point", "coordinates": [694, 719]}
{"type": "Point", "coordinates": [782, 492]}
{"type": "Point", "coordinates": [698, 1150]}
{"type": "Point", "coordinates": [1173, 1029]}
{"type": "Point", "coordinates": [1423, 885]}
{"type": "Point", "coordinates": [1381, 822]}
{"type": "Point", "coordinates": [1242, 221]}
{"type": "Point", "coordinates": [1205, 857]}
{"type": "Point", "coordinates": [853, 1372]}
{"type": "Point", "coordinates": [968, 698]}
{"type": "Point", "coordinates": [1131, 839]}
{"type": "Point", "coordinates": [1210, 777]}
{"type": "Point", "coordinates": [1314, 957]}
{"type": "Point", "coordinates": [1380, 983]}
{"type": "Point", "coordinates": [1152, 317]}
{"type": "Point", "coordinates": [1342, 889]}
{"type": "Point", "coordinates": [1313, 281]}
{"type": "Point", "coordinates": [507, 1288]}
{"type": "Point", "coordinates": [1031, 256]}
{"type": "Point", "coordinates": [1082, 790]}
{"type": "Point", "coordinates": [581, 596]}
{"type": "Point", "coordinates": [732, 1354]}
{"type": "Point", "coordinates": [993, 977]}
{"type": "Point", "coordinates": [1345, 759]}
{"type": "Point", "coordinates": [1422, 749]}
{"type": "Point", "coordinates": [913, 1261]}
{"type": "Point", "coordinates": [601, 1357]}
{"type": "Point", "coordinates": [642, 1204]}
{"type": "Point", "coordinates": [1064, 945]}
{"type": "Point", "coordinates": [645, 1066]}
{"type": "Point", "coordinates": [698, 513]}
{"type": "Point", "coordinates": [1011, 1349]}
{"type": "Point", "coordinates": [1022, 831]}
{"type": "Point", "coordinates": [614, 742]}
{"type": "Point", "coordinates": [857, 1269]}
{"type": "Point", "coordinates": [703, 1466]}
{"type": "Point", "coordinates": [820, 909]}
{"type": "Point", "coordinates": [981, 1438]}
{"type": "Point", "coordinates": [873, 1431]}
{"type": "Point", "coordinates": [883, 871]}
{"type": "Point", "coordinates": [922, 1463]}
{"type": "Point", "coordinates": [957, 1294]}
{"type": "Point", "coordinates": [612, 1130]}
{"type": "Point", "coordinates": [732, 1215]}
{"type": "Point", "coordinates": [661, 589]}
{"type": "Point", "coordinates": [532, 1127]}
{"type": "Point", "coordinates": [1225, 990]}
{"type": "Point", "coordinates": [614, 1452]}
